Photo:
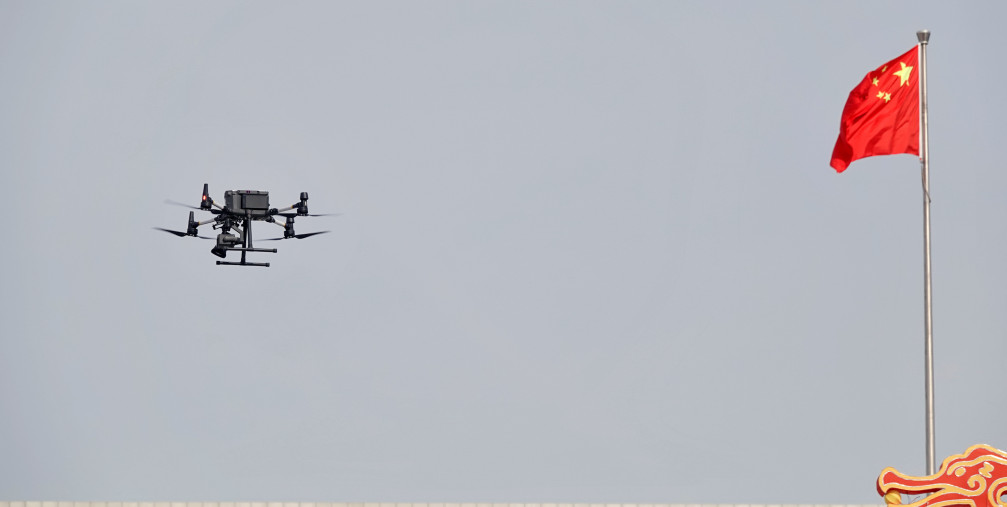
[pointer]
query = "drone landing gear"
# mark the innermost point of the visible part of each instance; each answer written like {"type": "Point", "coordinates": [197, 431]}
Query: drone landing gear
{"type": "Point", "coordinates": [225, 263]}
{"type": "Point", "coordinates": [225, 244]}
{"type": "Point", "coordinates": [243, 262]}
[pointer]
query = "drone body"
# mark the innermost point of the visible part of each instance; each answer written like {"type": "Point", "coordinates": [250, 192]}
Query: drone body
{"type": "Point", "coordinates": [241, 208]}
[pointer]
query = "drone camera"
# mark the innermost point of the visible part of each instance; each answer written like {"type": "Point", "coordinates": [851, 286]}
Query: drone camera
{"type": "Point", "coordinates": [224, 242]}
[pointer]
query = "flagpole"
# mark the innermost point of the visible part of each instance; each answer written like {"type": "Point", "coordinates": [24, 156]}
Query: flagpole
{"type": "Point", "coordinates": [923, 36]}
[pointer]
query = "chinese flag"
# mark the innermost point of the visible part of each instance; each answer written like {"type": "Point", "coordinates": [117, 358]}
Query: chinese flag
{"type": "Point", "coordinates": [882, 114]}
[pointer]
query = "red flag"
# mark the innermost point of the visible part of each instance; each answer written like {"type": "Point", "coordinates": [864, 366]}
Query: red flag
{"type": "Point", "coordinates": [882, 114]}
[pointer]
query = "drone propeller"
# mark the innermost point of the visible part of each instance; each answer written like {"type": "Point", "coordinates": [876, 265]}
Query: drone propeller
{"type": "Point", "coordinates": [179, 233]}
{"type": "Point", "coordinates": [297, 236]}
{"type": "Point", "coordinates": [206, 203]}
{"type": "Point", "coordinates": [176, 203]}
{"type": "Point", "coordinates": [292, 215]}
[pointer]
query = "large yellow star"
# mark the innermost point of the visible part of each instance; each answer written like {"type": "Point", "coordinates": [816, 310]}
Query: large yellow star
{"type": "Point", "coordinates": [903, 74]}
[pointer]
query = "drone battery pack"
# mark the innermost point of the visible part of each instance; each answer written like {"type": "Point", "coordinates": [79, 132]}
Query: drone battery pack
{"type": "Point", "coordinates": [256, 202]}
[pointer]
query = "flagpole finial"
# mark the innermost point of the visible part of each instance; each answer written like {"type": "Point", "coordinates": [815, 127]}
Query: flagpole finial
{"type": "Point", "coordinates": [923, 36]}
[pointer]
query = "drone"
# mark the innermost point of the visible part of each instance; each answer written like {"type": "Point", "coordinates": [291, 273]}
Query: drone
{"type": "Point", "coordinates": [240, 209]}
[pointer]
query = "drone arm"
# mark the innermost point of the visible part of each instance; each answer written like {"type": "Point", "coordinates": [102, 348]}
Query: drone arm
{"type": "Point", "coordinates": [301, 206]}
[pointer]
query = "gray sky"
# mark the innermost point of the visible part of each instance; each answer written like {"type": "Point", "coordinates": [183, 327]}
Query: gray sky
{"type": "Point", "coordinates": [589, 251]}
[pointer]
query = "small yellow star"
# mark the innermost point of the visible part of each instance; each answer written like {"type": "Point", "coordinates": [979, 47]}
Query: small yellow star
{"type": "Point", "coordinates": [881, 95]}
{"type": "Point", "coordinates": [875, 81]}
{"type": "Point", "coordinates": [888, 96]}
{"type": "Point", "coordinates": [903, 74]}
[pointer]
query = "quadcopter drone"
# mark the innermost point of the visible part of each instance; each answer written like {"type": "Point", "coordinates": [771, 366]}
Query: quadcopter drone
{"type": "Point", "coordinates": [240, 209]}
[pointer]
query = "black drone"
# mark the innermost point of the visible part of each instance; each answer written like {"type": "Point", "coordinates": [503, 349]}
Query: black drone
{"type": "Point", "coordinates": [240, 209]}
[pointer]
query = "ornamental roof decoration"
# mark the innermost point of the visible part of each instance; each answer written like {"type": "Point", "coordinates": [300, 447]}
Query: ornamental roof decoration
{"type": "Point", "coordinates": [977, 478]}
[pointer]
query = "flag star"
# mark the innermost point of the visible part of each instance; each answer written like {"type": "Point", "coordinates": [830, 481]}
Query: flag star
{"type": "Point", "coordinates": [881, 95]}
{"type": "Point", "coordinates": [903, 74]}
{"type": "Point", "coordinates": [875, 81]}
{"type": "Point", "coordinates": [888, 96]}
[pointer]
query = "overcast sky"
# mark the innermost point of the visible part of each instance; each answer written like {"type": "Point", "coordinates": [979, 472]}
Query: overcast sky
{"type": "Point", "coordinates": [588, 251]}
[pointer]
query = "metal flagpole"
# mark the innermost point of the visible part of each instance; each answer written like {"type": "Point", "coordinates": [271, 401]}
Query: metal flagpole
{"type": "Point", "coordinates": [923, 36]}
